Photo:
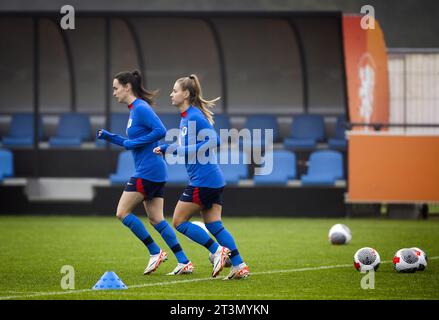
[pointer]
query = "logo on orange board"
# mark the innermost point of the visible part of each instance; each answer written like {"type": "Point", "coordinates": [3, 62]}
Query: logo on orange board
{"type": "Point", "coordinates": [366, 74]}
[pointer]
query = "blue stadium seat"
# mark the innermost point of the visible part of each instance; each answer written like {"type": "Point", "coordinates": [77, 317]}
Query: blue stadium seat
{"type": "Point", "coordinates": [6, 163]}
{"type": "Point", "coordinates": [73, 129]}
{"type": "Point", "coordinates": [125, 168]}
{"type": "Point", "coordinates": [284, 168]}
{"type": "Point", "coordinates": [21, 131]}
{"type": "Point", "coordinates": [262, 121]}
{"type": "Point", "coordinates": [306, 131]}
{"type": "Point", "coordinates": [232, 171]}
{"type": "Point", "coordinates": [339, 141]}
{"type": "Point", "coordinates": [170, 121]}
{"type": "Point", "coordinates": [177, 174]}
{"type": "Point", "coordinates": [118, 125]}
{"type": "Point", "coordinates": [325, 167]}
{"type": "Point", "coordinates": [222, 121]}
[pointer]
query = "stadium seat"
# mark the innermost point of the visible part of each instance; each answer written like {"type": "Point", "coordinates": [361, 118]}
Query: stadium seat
{"type": "Point", "coordinates": [21, 131]}
{"type": "Point", "coordinates": [6, 163]}
{"type": "Point", "coordinates": [222, 121]}
{"type": "Point", "coordinates": [339, 141]}
{"type": "Point", "coordinates": [177, 174]}
{"type": "Point", "coordinates": [325, 167]}
{"type": "Point", "coordinates": [306, 131]}
{"type": "Point", "coordinates": [232, 171]}
{"type": "Point", "coordinates": [262, 121]}
{"type": "Point", "coordinates": [125, 168]}
{"type": "Point", "coordinates": [170, 121]}
{"type": "Point", "coordinates": [284, 168]}
{"type": "Point", "coordinates": [118, 125]}
{"type": "Point", "coordinates": [73, 129]}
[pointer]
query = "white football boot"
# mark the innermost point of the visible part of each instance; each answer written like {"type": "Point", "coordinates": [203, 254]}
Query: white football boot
{"type": "Point", "coordinates": [182, 268]}
{"type": "Point", "coordinates": [219, 260]}
{"type": "Point", "coordinates": [154, 261]}
{"type": "Point", "coordinates": [241, 271]}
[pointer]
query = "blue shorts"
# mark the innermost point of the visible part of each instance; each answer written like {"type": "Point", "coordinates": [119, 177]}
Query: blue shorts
{"type": "Point", "coordinates": [149, 189]}
{"type": "Point", "coordinates": [203, 196]}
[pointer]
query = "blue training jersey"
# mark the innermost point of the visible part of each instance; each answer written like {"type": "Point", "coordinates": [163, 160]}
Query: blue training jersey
{"type": "Point", "coordinates": [201, 173]}
{"type": "Point", "coordinates": [144, 131]}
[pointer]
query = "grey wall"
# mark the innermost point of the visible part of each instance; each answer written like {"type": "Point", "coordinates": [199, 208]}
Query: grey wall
{"type": "Point", "coordinates": [406, 23]}
{"type": "Point", "coordinates": [263, 71]}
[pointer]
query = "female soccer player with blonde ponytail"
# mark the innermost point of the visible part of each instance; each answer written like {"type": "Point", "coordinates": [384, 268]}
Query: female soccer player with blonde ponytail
{"type": "Point", "coordinates": [206, 181]}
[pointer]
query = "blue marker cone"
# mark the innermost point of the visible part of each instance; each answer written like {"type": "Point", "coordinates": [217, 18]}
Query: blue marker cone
{"type": "Point", "coordinates": [109, 281]}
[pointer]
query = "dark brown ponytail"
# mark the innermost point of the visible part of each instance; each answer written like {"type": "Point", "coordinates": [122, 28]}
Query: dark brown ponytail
{"type": "Point", "coordinates": [135, 79]}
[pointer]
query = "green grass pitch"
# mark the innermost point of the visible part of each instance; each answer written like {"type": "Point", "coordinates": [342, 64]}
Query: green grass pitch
{"type": "Point", "coordinates": [288, 258]}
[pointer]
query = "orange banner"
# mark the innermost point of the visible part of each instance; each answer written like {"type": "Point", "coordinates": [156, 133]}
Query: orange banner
{"type": "Point", "coordinates": [393, 168]}
{"type": "Point", "coordinates": [366, 72]}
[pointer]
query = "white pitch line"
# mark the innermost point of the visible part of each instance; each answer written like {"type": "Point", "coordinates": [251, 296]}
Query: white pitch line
{"type": "Point", "coordinates": [144, 285]}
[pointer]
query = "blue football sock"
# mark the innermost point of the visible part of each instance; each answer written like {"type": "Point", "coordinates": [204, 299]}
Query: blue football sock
{"type": "Point", "coordinates": [137, 227]}
{"type": "Point", "coordinates": [197, 234]}
{"type": "Point", "coordinates": [225, 239]}
{"type": "Point", "coordinates": [169, 236]}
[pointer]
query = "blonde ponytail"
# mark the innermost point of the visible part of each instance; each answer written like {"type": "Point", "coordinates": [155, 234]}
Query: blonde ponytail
{"type": "Point", "coordinates": [192, 84]}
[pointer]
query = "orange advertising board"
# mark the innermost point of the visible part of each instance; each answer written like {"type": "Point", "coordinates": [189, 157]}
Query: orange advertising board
{"type": "Point", "coordinates": [393, 168]}
{"type": "Point", "coordinates": [366, 72]}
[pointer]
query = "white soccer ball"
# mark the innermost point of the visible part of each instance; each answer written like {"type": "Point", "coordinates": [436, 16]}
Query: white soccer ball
{"type": "Point", "coordinates": [367, 259]}
{"type": "Point", "coordinates": [201, 225]}
{"type": "Point", "coordinates": [406, 260]}
{"type": "Point", "coordinates": [423, 259]}
{"type": "Point", "coordinates": [339, 234]}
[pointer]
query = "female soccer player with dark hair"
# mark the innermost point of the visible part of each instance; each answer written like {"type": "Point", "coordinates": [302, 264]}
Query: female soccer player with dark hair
{"type": "Point", "coordinates": [144, 130]}
{"type": "Point", "coordinates": [206, 181]}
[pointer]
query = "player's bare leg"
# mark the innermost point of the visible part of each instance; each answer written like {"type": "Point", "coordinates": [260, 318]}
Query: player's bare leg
{"type": "Point", "coordinates": [127, 202]}
{"type": "Point", "coordinates": [183, 212]}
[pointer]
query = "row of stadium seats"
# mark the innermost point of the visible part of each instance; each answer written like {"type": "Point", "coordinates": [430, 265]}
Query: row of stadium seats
{"type": "Point", "coordinates": [74, 128]}
{"type": "Point", "coordinates": [325, 167]}
{"type": "Point", "coordinates": [6, 164]}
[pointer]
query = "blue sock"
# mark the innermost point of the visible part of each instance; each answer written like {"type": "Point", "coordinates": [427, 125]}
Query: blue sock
{"type": "Point", "coordinates": [137, 227]}
{"type": "Point", "coordinates": [197, 234]}
{"type": "Point", "coordinates": [169, 236]}
{"type": "Point", "coordinates": [225, 239]}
